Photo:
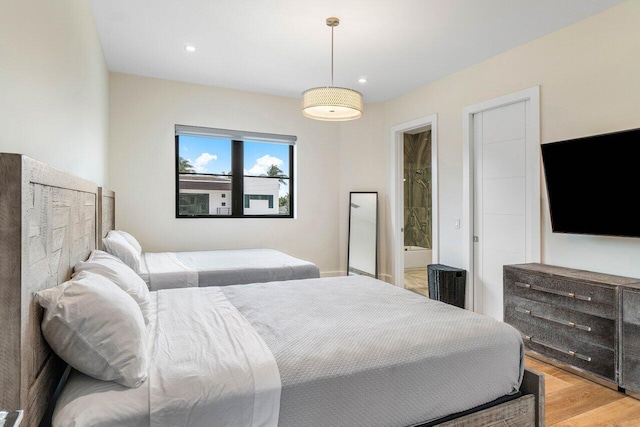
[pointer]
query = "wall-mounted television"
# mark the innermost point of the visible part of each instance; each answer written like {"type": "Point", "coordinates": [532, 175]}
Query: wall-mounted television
{"type": "Point", "coordinates": [593, 184]}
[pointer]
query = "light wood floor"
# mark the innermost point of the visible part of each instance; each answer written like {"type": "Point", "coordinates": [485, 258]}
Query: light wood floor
{"type": "Point", "coordinates": [416, 280]}
{"type": "Point", "coordinates": [573, 401]}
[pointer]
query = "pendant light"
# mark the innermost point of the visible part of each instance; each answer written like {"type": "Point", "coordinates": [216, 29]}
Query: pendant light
{"type": "Point", "coordinates": [332, 103]}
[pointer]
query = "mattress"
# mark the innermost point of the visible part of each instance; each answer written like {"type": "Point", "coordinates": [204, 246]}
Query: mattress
{"type": "Point", "coordinates": [350, 351]}
{"type": "Point", "coordinates": [164, 270]}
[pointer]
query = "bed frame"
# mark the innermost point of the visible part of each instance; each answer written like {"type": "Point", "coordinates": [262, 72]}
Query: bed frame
{"type": "Point", "coordinates": [47, 224]}
{"type": "Point", "coordinates": [50, 220]}
{"type": "Point", "coordinates": [106, 213]}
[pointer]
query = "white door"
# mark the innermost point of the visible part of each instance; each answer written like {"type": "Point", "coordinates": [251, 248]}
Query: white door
{"type": "Point", "coordinates": [500, 162]}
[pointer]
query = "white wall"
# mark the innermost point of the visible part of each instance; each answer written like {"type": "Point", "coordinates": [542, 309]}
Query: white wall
{"type": "Point", "coordinates": [588, 73]}
{"type": "Point", "coordinates": [143, 112]}
{"type": "Point", "coordinates": [365, 166]}
{"type": "Point", "coordinates": [54, 86]}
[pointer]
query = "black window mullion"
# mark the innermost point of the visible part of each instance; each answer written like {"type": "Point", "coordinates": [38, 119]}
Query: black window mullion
{"type": "Point", "coordinates": [291, 181]}
{"type": "Point", "coordinates": [237, 180]}
{"type": "Point", "coordinates": [177, 176]}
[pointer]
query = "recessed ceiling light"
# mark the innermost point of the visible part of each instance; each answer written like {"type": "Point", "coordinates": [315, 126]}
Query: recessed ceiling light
{"type": "Point", "coordinates": [362, 80]}
{"type": "Point", "coordinates": [190, 48]}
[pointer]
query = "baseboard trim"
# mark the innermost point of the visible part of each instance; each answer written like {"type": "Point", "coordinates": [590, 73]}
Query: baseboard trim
{"type": "Point", "coordinates": [384, 277]}
{"type": "Point", "coordinates": [332, 273]}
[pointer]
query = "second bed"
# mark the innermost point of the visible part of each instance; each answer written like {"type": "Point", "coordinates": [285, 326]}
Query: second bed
{"type": "Point", "coordinates": [168, 270]}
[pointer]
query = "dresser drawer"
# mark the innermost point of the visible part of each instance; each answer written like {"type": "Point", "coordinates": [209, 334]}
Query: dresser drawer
{"type": "Point", "coordinates": [596, 360]}
{"type": "Point", "coordinates": [630, 349]}
{"type": "Point", "coordinates": [560, 322]}
{"type": "Point", "coordinates": [631, 374]}
{"type": "Point", "coordinates": [597, 300]}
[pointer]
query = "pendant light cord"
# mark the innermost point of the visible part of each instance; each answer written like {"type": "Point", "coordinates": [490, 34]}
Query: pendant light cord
{"type": "Point", "coordinates": [332, 55]}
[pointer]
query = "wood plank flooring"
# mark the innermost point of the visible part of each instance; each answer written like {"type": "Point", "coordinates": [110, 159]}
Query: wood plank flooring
{"type": "Point", "coordinates": [415, 280]}
{"type": "Point", "coordinates": [573, 401]}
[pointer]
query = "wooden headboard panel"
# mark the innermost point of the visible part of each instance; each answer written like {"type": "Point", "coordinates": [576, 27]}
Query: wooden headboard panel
{"type": "Point", "coordinates": [47, 224]}
{"type": "Point", "coordinates": [106, 213]}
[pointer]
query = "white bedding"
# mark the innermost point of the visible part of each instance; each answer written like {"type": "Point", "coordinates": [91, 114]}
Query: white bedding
{"type": "Point", "coordinates": [82, 400]}
{"type": "Point", "coordinates": [229, 379]}
{"type": "Point", "coordinates": [349, 351]}
{"type": "Point", "coordinates": [210, 368]}
{"type": "Point", "coordinates": [165, 270]}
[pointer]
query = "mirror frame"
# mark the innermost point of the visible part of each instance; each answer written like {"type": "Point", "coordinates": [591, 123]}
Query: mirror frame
{"type": "Point", "coordinates": [351, 193]}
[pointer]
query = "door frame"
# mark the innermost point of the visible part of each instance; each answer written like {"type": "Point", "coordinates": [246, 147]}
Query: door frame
{"type": "Point", "coordinates": [532, 182]}
{"type": "Point", "coordinates": [397, 194]}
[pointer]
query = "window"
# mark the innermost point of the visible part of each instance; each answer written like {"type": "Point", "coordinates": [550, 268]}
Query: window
{"type": "Point", "coordinates": [253, 171]}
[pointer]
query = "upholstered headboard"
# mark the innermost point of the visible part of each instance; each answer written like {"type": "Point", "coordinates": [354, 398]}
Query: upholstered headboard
{"type": "Point", "coordinates": [106, 213]}
{"type": "Point", "coordinates": [48, 222]}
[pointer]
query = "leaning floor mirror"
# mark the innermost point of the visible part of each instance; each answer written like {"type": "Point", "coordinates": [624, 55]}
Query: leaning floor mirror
{"type": "Point", "coordinates": [362, 253]}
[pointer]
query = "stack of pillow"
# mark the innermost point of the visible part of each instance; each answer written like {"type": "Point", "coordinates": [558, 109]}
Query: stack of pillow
{"type": "Point", "coordinates": [96, 321]}
{"type": "Point", "coordinates": [124, 246]}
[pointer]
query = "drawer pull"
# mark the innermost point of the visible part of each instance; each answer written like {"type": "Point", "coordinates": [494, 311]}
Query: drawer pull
{"type": "Point", "coordinates": [553, 291]}
{"type": "Point", "coordinates": [553, 319]}
{"type": "Point", "coordinates": [563, 351]}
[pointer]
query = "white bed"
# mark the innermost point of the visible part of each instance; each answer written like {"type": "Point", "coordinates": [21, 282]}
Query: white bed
{"type": "Point", "coordinates": [165, 270]}
{"type": "Point", "coordinates": [339, 351]}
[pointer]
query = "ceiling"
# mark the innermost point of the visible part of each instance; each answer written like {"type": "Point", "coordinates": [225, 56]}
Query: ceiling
{"type": "Point", "coordinates": [283, 47]}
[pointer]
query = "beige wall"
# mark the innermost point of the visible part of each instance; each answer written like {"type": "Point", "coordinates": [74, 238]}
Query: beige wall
{"type": "Point", "coordinates": [588, 74]}
{"type": "Point", "coordinates": [54, 86]}
{"type": "Point", "coordinates": [588, 78]}
{"type": "Point", "coordinates": [143, 112]}
{"type": "Point", "coordinates": [365, 166]}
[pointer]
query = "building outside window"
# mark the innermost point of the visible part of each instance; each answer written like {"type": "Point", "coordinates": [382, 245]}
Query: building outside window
{"type": "Point", "coordinates": [254, 171]}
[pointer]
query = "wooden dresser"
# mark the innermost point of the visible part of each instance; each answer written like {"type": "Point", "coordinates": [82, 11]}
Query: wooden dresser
{"type": "Point", "coordinates": [589, 321]}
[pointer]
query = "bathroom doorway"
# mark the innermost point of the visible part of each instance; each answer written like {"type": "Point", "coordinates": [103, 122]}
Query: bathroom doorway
{"type": "Point", "coordinates": [418, 224]}
{"type": "Point", "coordinates": [397, 197]}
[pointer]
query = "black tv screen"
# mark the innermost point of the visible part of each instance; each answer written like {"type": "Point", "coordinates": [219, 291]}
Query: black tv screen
{"type": "Point", "coordinates": [593, 184]}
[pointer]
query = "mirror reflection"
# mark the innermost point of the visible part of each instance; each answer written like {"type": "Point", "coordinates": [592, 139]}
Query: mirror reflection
{"type": "Point", "coordinates": [362, 258]}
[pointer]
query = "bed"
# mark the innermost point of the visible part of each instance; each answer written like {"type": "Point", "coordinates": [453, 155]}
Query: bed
{"type": "Point", "coordinates": [332, 351]}
{"type": "Point", "coordinates": [348, 351]}
{"type": "Point", "coordinates": [163, 270]}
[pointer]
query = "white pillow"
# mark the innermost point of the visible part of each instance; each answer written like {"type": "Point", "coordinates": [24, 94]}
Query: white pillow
{"type": "Point", "coordinates": [118, 272]}
{"type": "Point", "coordinates": [131, 240]}
{"type": "Point", "coordinates": [118, 246]}
{"type": "Point", "coordinates": [96, 328]}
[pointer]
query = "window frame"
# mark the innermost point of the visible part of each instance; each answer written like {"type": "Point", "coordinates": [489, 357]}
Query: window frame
{"type": "Point", "coordinates": [237, 181]}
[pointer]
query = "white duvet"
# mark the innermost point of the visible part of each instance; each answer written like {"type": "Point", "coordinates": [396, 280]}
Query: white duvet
{"type": "Point", "coordinates": [229, 378]}
{"type": "Point", "coordinates": [163, 270]}
{"type": "Point", "coordinates": [209, 368]}
{"type": "Point", "coordinates": [350, 351]}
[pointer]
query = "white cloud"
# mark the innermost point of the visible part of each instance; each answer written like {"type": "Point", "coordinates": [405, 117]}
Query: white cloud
{"type": "Point", "coordinates": [263, 164]}
{"type": "Point", "coordinates": [200, 165]}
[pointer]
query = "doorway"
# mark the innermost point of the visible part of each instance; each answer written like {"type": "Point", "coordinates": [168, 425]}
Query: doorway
{"type": "Point", "coordinates": [417, 209]}
{"type": "Point", "coordinates": [501, 191]}
{"type": "Point", "coordinates": [415, 202]}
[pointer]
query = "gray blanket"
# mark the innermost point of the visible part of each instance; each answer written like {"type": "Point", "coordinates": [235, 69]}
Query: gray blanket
{"type": "Point", "coordinates": [351, 351]}
{"type": "Point", "coordinates": [355, 351]}
{"type": "Point", "coordinates": [166, 270]}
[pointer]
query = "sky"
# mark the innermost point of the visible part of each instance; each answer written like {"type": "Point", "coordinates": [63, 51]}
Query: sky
{"type": "Point", "coordinates": [213, 155]}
